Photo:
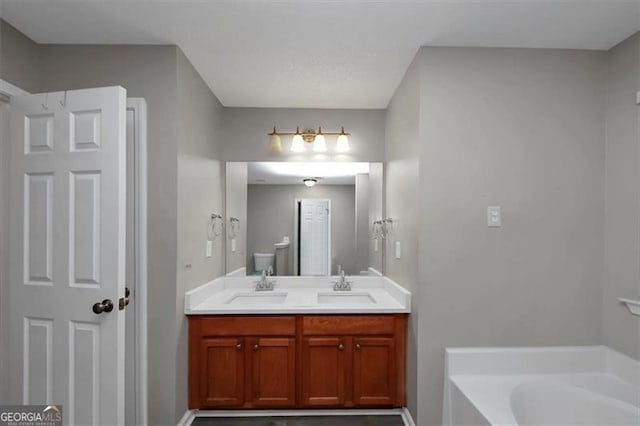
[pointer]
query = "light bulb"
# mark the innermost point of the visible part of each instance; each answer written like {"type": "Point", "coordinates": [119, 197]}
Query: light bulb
{"type": "Point", "coordinates": [275, 145]}
{"type": "Point", "coordinates": [343, 144]}
{"type": "Point", "coordinates": [320, 144]}
{"type": "Point", "coordinates": [297, 144]}
{"type": "Point", "coordinates": [309, 182]}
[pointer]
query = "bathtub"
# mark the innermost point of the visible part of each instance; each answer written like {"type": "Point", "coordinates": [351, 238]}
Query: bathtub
{"type": "Point", "coordinates": [590, 385]}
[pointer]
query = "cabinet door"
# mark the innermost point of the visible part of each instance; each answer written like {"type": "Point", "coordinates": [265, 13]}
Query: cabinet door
{"type": "Point", "coordinates": [273, 365]}
{"type": "Point", "coordinates": [323, 371]}
{"type": "Point", "coordinates": [222, 379]}
{"type": "Point", "coordinates": [374, 371]}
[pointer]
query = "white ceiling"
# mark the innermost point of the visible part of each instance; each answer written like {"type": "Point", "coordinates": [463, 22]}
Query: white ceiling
{"type": "Point", "coordinates": [321, 53]}
{"type": "Point", "coordinates": [292, 173]}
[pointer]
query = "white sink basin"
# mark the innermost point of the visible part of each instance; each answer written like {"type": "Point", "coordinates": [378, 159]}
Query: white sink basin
{"type": "Point", "coordinates": [346, 298]}
{"type": "Point", "coordinates": [257, 299]}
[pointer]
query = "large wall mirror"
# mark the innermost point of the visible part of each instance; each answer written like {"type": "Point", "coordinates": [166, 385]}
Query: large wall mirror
{"type": "Point", "coordinates": [303, 218]}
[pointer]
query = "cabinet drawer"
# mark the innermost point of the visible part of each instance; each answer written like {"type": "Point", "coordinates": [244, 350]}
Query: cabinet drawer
{"type": "Point", "coordinates": [247, 326]}
{"type": "Point", "coordinates": [348, 324]}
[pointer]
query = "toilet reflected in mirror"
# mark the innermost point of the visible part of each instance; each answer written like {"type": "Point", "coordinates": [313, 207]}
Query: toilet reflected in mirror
{"type": "Point", "coordinates": [263, 262]}
{"type": "Point", "coordinates": [293, 228]}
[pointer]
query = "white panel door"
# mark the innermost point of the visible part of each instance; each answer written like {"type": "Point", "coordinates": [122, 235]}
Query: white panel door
{"type": "Point", "coordinates": [315, 237]}
{"type": "Point", "coordinates": [67, 240]}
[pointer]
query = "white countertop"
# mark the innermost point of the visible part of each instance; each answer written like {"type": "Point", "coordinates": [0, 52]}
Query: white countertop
{"type": "Point", "coordinates": [297, 295]}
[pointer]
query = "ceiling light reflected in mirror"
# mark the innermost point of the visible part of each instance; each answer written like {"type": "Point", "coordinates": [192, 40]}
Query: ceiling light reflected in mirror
{"type": "Point", "coordinates": [331, 173]}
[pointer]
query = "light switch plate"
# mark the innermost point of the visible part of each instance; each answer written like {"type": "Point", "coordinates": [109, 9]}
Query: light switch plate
{"type": "Point", "coordinates": [233, 245]}
{"type": "Point", "coordinates": [494, 216]}
{"type": "Point", "coordinates": [398, 250]}
{"type": "Point", "coordinates": [209, 251]}
{"type": "Point", "coordinates": [375, 245]}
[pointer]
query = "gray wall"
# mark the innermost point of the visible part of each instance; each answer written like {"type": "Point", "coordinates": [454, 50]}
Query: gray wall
{"type": "Point", "coordinates": [200, 193]}
{"type": "Point", "coordinates": [523, 129]}
{"type": "Point", "coordinates": [149, 72]}
{"type": "Point", "coordinates": [270, 216]}
{"type": "Point", "coordinates": [401, 205]}
{"type": "Point", "coordinates": [20, 59]}
{"type": "Point", "coordinates": [236, 196]}
{"type": "Point", "coordinates": [246, 131]}
{"type": "Point", "coordinates": [621, 330]}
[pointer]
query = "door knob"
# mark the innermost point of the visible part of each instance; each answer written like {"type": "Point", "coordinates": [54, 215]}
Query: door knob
{"type": "Point", "coordinates": [239, 346]}
{"type": "Point", "coordinates": [340, 346]}
{"type": "Point", "coordinates": [105, 306]}
{"type": "Point", "coordinates": [358, 346]}
{"type": "Point", "coordinates": [255, 347]}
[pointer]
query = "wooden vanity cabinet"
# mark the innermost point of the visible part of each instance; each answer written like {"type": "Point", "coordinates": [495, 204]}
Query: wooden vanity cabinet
{"type": "Point", "coordinates": [323, 371]}
{"type": "Point", "coordinates": [297, 361]}
{"type": "Point", "coordinates": [374, 371]}
{"type": "Point", "coordinates": [242, 362]}
{"type": "Point", "coordinates": [222, 362]}
{"type": "Point", "coordinates": [349, 371]}
{"type": "Point", "coordinates": [273, 371]}
{"type": "Point", "coordinates": [353, 361]}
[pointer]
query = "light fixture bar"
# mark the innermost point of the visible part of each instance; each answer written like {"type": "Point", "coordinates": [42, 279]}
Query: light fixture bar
{"type": "Point", "coordinates": [309, 136]}
{"type": "Point", "coordinates": [303, 133]}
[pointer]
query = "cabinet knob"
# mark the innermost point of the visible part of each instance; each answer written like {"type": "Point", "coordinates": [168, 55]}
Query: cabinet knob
{"type": "Point", "coordinates": [256, 347]}
{"type": "Point", "coordinates": [341, 346]}
{"type": "Point", "coordinates": [239, 346]}
{"type": "Point", "coordinates": [358, 346]}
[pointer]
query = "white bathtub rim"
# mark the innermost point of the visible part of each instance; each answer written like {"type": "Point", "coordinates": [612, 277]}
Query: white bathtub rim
{"type": "Point", "coordinates": [546, 360]}
{"type": "Point", "coordinates": [464, 366]}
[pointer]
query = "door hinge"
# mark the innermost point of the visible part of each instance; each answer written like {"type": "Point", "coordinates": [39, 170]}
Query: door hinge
{"type": "Point", "coordinates": [124, 301]}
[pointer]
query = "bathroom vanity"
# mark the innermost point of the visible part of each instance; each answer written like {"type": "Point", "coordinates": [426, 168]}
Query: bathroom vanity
{"type": "Point", "coordinates": [301, 345]}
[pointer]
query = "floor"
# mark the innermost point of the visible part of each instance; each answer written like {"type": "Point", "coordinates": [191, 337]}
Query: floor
{"type": "Point", "coordinates": [390, 420]}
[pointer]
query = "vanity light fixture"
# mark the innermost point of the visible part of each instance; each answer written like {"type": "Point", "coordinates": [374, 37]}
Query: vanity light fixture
{"type": "Point", "coordinates": [317, 140]}
{"type": "Point", "coordinates": [310, 181]}
{"type": "Point", "coordinates": [297, 144]}
{"type": "Point", "coordinates": [342, 145]}
{"type": "Point", "coordinates": [319, 144]}
{"type": "Point", "coordinates": [275, 145]}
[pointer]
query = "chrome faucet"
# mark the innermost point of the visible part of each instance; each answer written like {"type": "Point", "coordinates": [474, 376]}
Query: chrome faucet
{"type": "Point", "coordinates": [341, 284]}
{"type": "Point", "coordinates": [265, 284]}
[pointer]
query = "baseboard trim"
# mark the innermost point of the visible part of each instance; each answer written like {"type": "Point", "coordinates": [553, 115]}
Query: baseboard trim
{"type": "Point", "coordinates": [406, 417]}
{"type": "Point", "coordinates": [189, 416]}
